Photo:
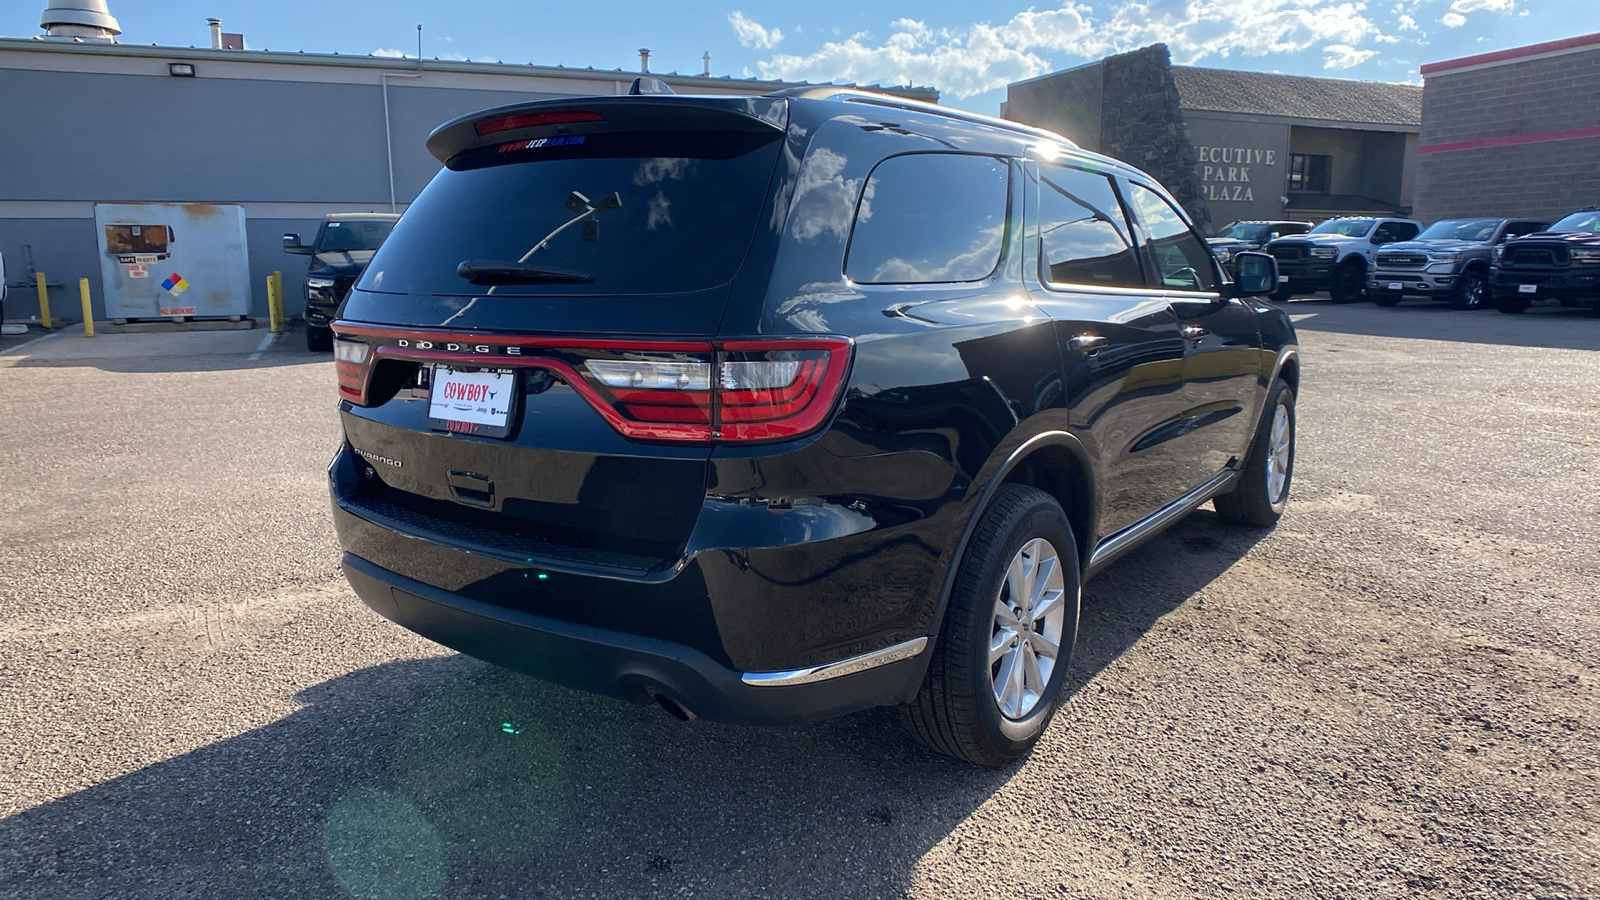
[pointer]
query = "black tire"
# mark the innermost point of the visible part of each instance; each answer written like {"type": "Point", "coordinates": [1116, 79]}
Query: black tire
{"type": "Point", "coordinates": [1471, 291]}
{"type": "Point", "coordinates": [1251, 502]}
{"type": "Point", "coordinates": [1349, 283]}
{"type": "Point", "coordinates": [1511, 304]}
{"type": "Point", "coordinates": [319, 340]}
{"type": "Point", "coordinates": [1282, 295]}
{"type": "Point", "coordinates": [1385, 298]}
{"type": "Point", "coordinates": [956, 711]}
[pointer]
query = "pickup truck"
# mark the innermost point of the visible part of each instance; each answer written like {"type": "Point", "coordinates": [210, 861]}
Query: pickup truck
{"type": "Point", "coordinates": [1449, 260]}
{"type": "Point", "coordinates": [344, 245]}
{"type": "Point", "coordinates": [1334, 256]}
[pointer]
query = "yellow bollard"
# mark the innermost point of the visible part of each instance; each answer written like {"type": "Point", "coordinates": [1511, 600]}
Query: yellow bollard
{"type": "Point", "coordinates": [88, 311]}
{"type": "Point", "coordinates": [277, 296]}
{"type": "Point", "coordinates": [44, 299]}
{"type": "Point", "coordinates": [272, 308]}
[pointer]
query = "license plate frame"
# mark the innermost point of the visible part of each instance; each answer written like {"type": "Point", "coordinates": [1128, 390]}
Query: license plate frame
{"type": "Point", "coordinates": [1283, 279]}
{"type": "Point", "coordinates": [1527, 289]}
{"type": "Point", "coordinates": [1395, 286]}
{"type": "Point", "coordinates": [488, 411]}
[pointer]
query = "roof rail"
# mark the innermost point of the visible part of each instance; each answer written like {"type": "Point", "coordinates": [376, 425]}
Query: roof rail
{"type": "Point", "coordinates": [873, 98]}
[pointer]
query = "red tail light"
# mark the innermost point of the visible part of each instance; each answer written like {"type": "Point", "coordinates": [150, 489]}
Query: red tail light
{"type": "Point", "coordinates": [352, 360]}
{"type": "Point", "coordinates": [529, 120]}
{"type": "Point", "coordinates": [725, 391]}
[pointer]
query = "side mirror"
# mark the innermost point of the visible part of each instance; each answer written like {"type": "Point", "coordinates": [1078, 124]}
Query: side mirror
{"type": "Point", "coordinates": [1254, 274]}
{"type": "Point", "coordinates": [291, 244]}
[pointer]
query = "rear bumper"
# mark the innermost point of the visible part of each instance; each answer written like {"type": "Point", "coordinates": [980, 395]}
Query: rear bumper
{"type": "Point", "coordinates": [632, 667]}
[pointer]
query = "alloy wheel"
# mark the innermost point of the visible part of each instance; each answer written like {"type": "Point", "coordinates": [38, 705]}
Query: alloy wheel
{"type": "Point", "coordinates": [1025, 642]}
{"type": "Point", "coordinates": [1280, 453]}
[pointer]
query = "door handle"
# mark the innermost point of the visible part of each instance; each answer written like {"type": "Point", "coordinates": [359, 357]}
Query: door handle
{"type": "Point", "coordinates": [1086, 342]}
{"type": "Point", "coordinates": [1193, 332]}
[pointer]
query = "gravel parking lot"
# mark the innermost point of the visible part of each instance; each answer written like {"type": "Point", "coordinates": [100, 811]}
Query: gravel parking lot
{"type": "Point", "coordinates": [1394, 693]}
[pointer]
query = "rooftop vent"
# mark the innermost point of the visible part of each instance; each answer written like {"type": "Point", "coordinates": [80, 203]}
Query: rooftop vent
{"type": "Point", "coordinates": [79, 19]}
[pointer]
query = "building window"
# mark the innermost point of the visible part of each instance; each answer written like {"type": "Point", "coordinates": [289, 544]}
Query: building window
{"type": "Point", "coordinates": [1309, 173]}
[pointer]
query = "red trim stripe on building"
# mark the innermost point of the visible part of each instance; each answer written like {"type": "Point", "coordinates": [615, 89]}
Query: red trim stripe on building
{"type": "Point", "coordinates": [1512, 140]}
{"type": "Point", "coordinates": [1582, 40]}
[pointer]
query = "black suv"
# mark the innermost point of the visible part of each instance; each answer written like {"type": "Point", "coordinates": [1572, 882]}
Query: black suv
{"type": "Point", "coordinates": [344, 245]}
{"type": "Point", "coordinates": [1563, 262]}
{"type": "Point", "coordinates": [775, 408]}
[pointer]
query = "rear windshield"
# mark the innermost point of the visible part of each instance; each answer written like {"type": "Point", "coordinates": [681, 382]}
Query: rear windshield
{"type": "Point", "coordinates": [656, 213]}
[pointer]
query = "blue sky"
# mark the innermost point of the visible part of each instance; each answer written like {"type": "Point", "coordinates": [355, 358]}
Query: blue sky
{"type": "Point", "coordinates": [969, 51]}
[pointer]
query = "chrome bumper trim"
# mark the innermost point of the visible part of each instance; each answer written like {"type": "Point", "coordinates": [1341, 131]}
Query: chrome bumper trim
{"type": "Point", "coordinates": [838, 668]}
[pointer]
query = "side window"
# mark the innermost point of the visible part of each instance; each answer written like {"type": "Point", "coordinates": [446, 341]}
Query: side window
{"type": "Point", "coordinates": [929, 218]}
{"type": "Point", "coordinates": [1389, 232]}
{"type": "Point", "coordinates": [1084, 237]}
{"type": "Point", "coordinates": [1181, 259]}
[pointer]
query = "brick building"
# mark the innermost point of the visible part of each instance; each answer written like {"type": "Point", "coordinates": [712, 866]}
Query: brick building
{"type": "Point", "coordinates": [1237, 145]}
{"type": "Point", "coordinates": [1512, 133]}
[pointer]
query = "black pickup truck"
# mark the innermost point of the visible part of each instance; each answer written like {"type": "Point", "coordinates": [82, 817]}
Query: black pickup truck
{"type": "Point", "coordinates": [1562, 263]}
{"type": "Point", "coordinates": [344, 245]}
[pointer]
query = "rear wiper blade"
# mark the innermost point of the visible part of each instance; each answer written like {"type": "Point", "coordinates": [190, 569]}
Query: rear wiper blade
{"type": "Point", "coordinates": [488, 271]}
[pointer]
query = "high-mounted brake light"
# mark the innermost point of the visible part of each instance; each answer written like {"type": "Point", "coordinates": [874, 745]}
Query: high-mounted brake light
{"type": "Point", "coordinates": [530, 120]}
{"type": "Point", "coordinates": [689, 391]}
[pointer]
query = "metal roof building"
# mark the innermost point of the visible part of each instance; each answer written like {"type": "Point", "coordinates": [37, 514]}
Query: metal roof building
{"type": "Point", "coordinates": [289, 136]}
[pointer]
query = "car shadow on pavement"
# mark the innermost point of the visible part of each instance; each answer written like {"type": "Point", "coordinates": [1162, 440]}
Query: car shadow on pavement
{"type": "Point", "coordinates": [1542, 325]}
{"type": "Point", "coordinates": [447, 777]}
{"type": "Point", "coordinates": [1126, 600]}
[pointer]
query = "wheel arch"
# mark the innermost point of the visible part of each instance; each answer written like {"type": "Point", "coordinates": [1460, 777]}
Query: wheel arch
{"type": "Point", "coordinates": [1288, 368]}
{"type": "Point", "coordinates": [1055, 462]}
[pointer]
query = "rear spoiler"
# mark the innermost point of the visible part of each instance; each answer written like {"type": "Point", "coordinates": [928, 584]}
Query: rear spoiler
{"type": "Point", "coordinates": [599, 115]}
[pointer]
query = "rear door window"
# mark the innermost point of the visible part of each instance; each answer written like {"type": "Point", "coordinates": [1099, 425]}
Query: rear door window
{"type": "Point", "coordinates": [638, 213]}
{"type": "Point", "coordinates": [1181, 259]}
{"type": "Point", "coordinates": [1084, 238]}
{"type": "Point", "coordinates": [930, 218]}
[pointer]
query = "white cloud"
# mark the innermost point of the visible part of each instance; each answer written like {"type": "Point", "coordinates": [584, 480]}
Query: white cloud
{"type": "Point", "coordinates": [1454, 20]}
{"type": "Point", "coordinates": [1343, 56]}
{"type": "Point", "coordinates": [1466, 6]}
{"type": "Point", "coordinates": [387, 53]}
{"type": "Point", "coordinates": [1406, 23]}
{"type": "Point", "coordinates": [985, 56]}
{"type": "Point", "coordinates": [752, 34]}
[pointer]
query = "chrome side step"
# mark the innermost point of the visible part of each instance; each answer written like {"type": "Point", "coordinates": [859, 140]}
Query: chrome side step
{"type": "Point", "coordinates": [835, 669]}
{"type": "Point", "coordinates": [1132, 536]}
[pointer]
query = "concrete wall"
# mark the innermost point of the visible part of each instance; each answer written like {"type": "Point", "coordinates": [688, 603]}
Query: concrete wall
{"type": "Point", "coordinates": [1498, 133]}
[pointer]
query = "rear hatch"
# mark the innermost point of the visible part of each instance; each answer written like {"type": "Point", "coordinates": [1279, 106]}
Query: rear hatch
{"type": "Point", "coordinates": [529, 362]}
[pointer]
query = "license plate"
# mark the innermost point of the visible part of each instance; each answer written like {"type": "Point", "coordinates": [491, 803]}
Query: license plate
{"type": "Point", "coordinates": [1395, 285]}
{"type": "Point", "coordinates": [472, 401]}
{"type": "Point", "coordinates": [1527, 289]}
{"type": "Point", "coordinates": [1283, 279]}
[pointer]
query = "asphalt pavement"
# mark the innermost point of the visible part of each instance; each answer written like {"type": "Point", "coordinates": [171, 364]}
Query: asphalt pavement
{"type": "Point", "coordinates": [1394, 693]}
